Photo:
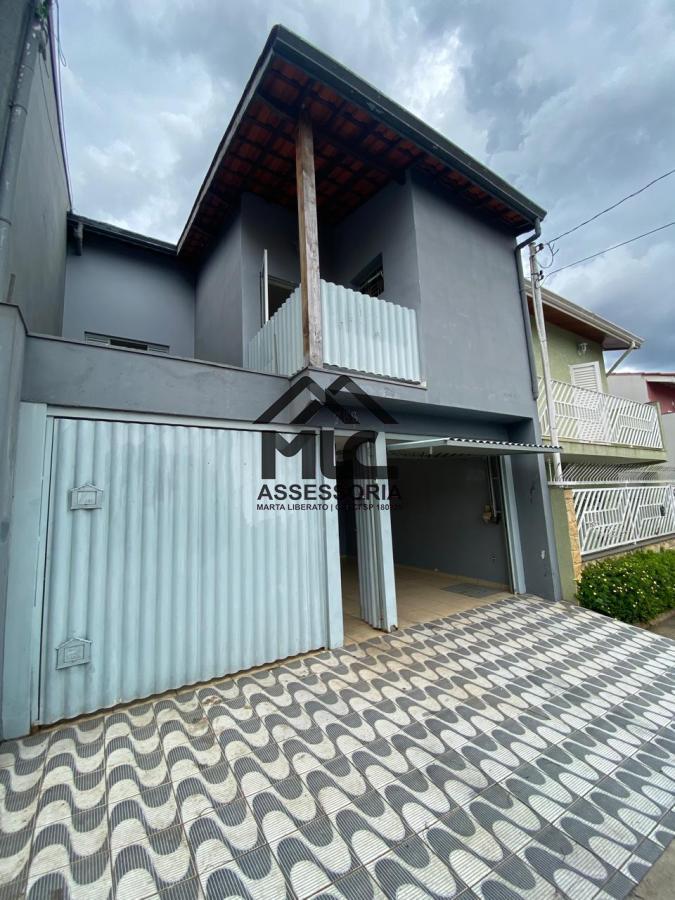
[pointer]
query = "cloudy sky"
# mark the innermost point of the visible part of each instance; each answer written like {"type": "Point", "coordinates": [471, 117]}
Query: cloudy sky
{"type": "Point", "coordinates": [575, 107]}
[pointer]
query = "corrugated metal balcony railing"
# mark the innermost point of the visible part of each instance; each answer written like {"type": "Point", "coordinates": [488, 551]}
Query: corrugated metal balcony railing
{"type": "Point", "coordinates": [360, 334]}
{"type": "Point", "coordinates": [592, 417]}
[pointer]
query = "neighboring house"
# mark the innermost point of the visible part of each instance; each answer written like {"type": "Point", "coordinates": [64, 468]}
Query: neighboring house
{"type": "Point", "coordinates": [651, 387]}
{"type": "Point", "coordinates": [615, 494]}
{"type": "Point", "coordinates": [334, 234]}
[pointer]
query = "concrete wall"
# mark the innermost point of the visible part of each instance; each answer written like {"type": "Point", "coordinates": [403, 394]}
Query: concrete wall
{"type": "Point", "coordinates": [38, 232]}
{"type": "Point", "coordinates": [120, 290]}
{"type": "Point", "coordinates": [437, 522]}
{"type": "Point", "coordinates": [535, 517]}
{"type": "Point", "coordinates": [562, 352]}
{"type": "Point", "coordinates": [265, 226]}
{"type": "Point", "coordinates": [218, 311]}
{"type": "Point", "coordinates": [64, 373]}
{"type": "Point", "coordinates": [663, 393]}
{"type": "Point", "coordinates": [13, 21]}
{"type": "Point", "coordinates": [630, 385]}
{"type": "Point", "coordinates": [474, 351]}
{"type": "Point", "coordinates": [384, 225]}
{"type": "Point", "coordinates": [12, 344]}
{"type": "Point", "coordinates": [668, 432]}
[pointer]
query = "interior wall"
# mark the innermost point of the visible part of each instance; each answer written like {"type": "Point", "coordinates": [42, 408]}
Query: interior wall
{"type": "Point", "coordinates": [437, 522]}
{"type": "Point", "coordinates": [346, 514]}
{"type": "Point", "coordinates": [117, 289]}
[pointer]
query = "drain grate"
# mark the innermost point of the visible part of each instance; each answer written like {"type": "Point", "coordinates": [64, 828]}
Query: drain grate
{"type": "Point", "coordinates": [470, 590]}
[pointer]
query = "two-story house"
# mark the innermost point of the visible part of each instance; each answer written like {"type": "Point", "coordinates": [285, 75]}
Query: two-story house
{"type": "Point", "coordinates": [615, 493]}
{"type": "Point", "coordinates": [180, 420]}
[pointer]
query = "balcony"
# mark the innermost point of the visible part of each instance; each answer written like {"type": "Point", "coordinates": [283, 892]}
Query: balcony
{"type": "Point", "coordinates": [360, 334]}
{"type": "Point", "coordinates": [591, 417]}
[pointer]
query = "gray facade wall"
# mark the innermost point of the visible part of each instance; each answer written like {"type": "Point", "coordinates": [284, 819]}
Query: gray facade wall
{"type": "Point", "coordinates": [12, 345]}
{"type": "Point", "coordinates": [474, 351]}
{"type": "Point", "coordinates": [535, 519]}
{"type": "Point", "coordinates": [437, 523]}
{"type": "Point", "coordinates": [65, 373]}
{"type": "Point", "coordinates": [124, 291]}
{"type": "Point", "coordinates": [384, 225]}
{"type": "Point", "coordinates": [265, 226]}
{"type": "Point", "coordinates": [218, 309]}
{"type": "Point", "coordinates": [38, 231]}
{"type": "Point", "coordinates": [13, 21]}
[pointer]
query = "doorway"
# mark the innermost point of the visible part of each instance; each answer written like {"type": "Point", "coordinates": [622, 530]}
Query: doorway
{"type": "Point", "coordinates": [449, 536]}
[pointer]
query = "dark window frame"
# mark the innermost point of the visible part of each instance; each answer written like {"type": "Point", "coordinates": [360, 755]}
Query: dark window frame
{"type": "Point", "coordinates": [370, 280]}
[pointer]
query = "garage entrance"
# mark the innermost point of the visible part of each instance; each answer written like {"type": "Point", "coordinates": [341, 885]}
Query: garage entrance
{"type": "Point", "coordinates": [443, 525]}
{"type": "Point", "coordinates": [162, 567]}
{"type": "Point", "coordinates": [448, 535]}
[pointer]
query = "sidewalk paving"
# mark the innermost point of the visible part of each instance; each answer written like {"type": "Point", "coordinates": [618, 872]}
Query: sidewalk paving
{"type": "Point", "coordinates": [520, 749]}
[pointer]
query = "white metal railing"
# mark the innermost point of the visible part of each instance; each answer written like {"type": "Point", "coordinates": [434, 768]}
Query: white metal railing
{"type": "Point", "coordinates": [360, 333]}
{"type": "Point", "coordinates": [597, 418]}
{"type": "Point", "coordinates": [615, 516]}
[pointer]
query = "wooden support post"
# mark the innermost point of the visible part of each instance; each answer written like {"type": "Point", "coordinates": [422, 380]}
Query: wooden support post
{"type": "Point", "coordinates": [308, 233]}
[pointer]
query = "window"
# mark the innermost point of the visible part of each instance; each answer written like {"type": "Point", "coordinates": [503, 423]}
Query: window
{"type": "Point", "coordinates": [274, 292]}
{"type": "Point", "coordinates": [371, 279]}
{"type": "Point", "coordinates": [108, 341]}
{"type": "Point", "coordinates": [587, 375]}
{"type": "Point", "coordinates": [278, 291]}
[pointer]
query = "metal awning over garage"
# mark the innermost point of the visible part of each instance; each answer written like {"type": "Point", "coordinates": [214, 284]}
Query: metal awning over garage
{"type": "Point", "coordinates": [455, 446]}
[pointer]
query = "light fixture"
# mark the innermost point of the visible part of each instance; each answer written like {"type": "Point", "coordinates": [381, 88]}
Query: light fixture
{"type": "Point", "coordinates": [582, 348]}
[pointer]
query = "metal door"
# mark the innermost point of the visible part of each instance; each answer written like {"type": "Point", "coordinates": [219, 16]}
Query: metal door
{"type": "Point", "coordinates": [377, 587]}
{"type": "Point", "coordinates": [161, 568]}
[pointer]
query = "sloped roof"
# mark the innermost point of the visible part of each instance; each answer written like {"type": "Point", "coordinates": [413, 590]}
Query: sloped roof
{"type": "Point", "coordinates": [362, 141]}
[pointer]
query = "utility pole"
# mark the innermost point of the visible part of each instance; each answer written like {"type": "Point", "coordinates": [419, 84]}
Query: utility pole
{"type": "Point", "coordinates": [535, 278]}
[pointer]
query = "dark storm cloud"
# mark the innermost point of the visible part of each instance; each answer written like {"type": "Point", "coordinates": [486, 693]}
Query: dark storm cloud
{"type": "Point", "coordinates": [573, 104]}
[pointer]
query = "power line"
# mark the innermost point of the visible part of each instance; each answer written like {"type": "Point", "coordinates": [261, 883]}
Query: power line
{"type": "Point", "coordinates": [613, 206]}
{"type": "Point", "coordinates": [607, 249]}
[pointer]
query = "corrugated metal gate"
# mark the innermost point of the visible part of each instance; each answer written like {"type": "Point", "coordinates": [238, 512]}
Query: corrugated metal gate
{"type": "Point", "coordinates": [171, 574]}
{"type": "Point", "coordinates": [377, 587]}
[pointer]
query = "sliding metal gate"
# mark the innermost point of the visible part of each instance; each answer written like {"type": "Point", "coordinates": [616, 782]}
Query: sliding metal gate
{"type": "Point", "coordinates": [162, 571]}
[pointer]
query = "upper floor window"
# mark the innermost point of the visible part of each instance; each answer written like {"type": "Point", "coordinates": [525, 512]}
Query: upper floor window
{"type": "Point", "coordinates": [587, 375]}
{"type": "Point", "coordinates": [274, 292]}
{"type": "Point", "coordinates": [109, 341]}
{"type": "Point", "coordinates": [370, 280]}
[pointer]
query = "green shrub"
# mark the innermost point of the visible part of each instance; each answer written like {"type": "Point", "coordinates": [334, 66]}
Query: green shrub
{"type": "Point", "coordinates": [634, 588]}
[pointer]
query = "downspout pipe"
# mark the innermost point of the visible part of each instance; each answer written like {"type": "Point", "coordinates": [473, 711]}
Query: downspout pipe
{"type": "Point", "coordinates": [534, 380]}
{"type": "Point", "coordinates": [9, 166]}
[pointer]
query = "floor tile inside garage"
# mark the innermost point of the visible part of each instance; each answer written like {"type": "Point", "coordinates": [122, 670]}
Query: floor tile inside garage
{"type": "Point", "coordinates": [520, 749]}
{"type": "Point", "coordinates": [421, 596]}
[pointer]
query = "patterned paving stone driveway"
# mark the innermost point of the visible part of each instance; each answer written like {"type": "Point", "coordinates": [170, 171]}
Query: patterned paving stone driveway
{"type": "Point", "coordinates": [522, 749]}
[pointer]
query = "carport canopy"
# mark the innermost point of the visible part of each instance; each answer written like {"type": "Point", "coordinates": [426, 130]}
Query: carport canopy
{"type": "Point", "coordinates": [453, 446]}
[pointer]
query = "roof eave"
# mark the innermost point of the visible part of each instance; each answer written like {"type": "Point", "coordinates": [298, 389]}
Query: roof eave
{"type": "Point", "coordinates": [346, 82]}
{"type": "Point", "coordinates": [104, 229]}
{"type": "Point", "coordinates": [618, 338]}
{"type": "Point", "coordinates": [286, 44]}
